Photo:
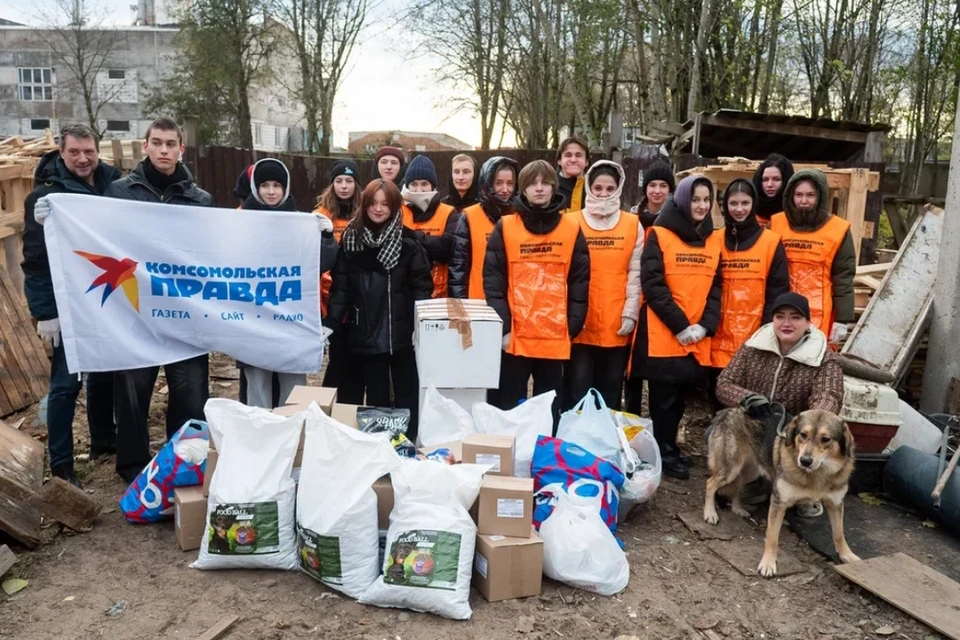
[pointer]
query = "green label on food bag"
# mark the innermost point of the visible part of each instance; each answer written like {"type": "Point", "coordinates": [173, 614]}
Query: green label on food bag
{"type": "Point", "coordinates": [320, 556]}
{"type": "Point", "coordinates": [251, 528]}
{"type": "Point", "coordinates": [423, 559]}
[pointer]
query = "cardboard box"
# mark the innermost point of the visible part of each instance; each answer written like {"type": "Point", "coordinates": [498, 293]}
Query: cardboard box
{"type": "Point", "coordinates": [505, 568]}
{"type": "Point", "coordinates": [505, 506]}
{"type": "Point", "coordinates": [345, 413]}
{"type": "Point", "coordinates": [456, 448]}
{"type": "Point", "coordinates": [384, 490]}
{"type": "Point", "coordinates": [212, 456]}
{"type": "Point", "coordinates": [288, 410]}
{"type": "Point", "coordinates": [458, 344]}
{"type": "Point", "coordinates": [190, 516]}
{"type": "Point", "coordinates": [482, 448]}
{"type": "Point", "coordinates": [466, 398]}
{"type": "Point", "coordinates": [323, 396]}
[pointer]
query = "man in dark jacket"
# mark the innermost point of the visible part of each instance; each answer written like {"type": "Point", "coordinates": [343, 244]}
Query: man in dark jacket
{"type": "Point", "coordinates": [74, 168]}
{"type": "Point", "coordinates": [160, 177]}
{"type": "Point", "coordinates": [536, 276]}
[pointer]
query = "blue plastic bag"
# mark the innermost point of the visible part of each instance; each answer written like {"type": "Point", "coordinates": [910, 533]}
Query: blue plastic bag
{"type": "Point", "coordinates": [149, 498]}
{"type": "Point", "coordinates": [559, 462]}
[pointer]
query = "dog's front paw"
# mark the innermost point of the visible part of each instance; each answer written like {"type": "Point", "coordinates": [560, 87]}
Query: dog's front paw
{"type": "Point", "coordinates": [849, 557]}
{"type": "Point", "coordinates": [710, 516]}
{"type": "Point", "coordinates": [768, 566]}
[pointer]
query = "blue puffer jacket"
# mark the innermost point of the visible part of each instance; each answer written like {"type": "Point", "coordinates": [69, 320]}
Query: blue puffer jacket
{"type": "Point", "coordinates": [51, 176]}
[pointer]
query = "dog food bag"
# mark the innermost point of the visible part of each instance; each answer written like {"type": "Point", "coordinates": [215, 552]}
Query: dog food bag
{"type": "Point", "coordinates": [430, 543]}
{"type": "Point", "coordinates": [337, 534]}
{"type": "Point", "coordinates": [383, 420]}
{"type": "Point", "coordinates": [250, 512]}
{"type": "Point", "coordinates": [527, 422]}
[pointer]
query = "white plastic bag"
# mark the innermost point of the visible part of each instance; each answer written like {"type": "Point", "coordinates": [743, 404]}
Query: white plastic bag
{"type": "Point", "coordinates": [431, 540]}
{"type": "Point", "coordinates": [337, 533]}
{"type": "Point", "coordinates": [250, 512]}
{"type": "Point", "coordinates": [590, 425]}
{"type": "Point", "coordinates": [442, 420]}
{"type": "Point", "coordinates": [578, 548]}
{"type": "Point", "coordinates": [532, 419]}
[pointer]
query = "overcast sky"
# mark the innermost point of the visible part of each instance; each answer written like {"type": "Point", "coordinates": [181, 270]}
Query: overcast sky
{"type": "Point", "coordinates": [383, 90]}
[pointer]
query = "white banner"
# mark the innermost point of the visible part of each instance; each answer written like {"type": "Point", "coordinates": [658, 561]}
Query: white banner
{"type": "Point", "coordinates": [142, 284]}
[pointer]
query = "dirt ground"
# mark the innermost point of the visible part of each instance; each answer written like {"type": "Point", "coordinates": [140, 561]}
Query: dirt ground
{"type": "Point", "coordinates": [678, 587]}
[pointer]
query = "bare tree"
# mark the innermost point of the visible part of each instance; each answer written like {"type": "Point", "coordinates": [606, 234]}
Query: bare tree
{"type": "Point", "coordinates": [693, 101]}
{"type": "Point", "coordinates": [469, 38]}
{"type": "Point", "coordinates": [83, 51]}
{"type": "Point", "coordinates": [322, 37]}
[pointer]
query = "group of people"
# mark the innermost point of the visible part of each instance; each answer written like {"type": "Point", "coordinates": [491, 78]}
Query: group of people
{"type": "Point", "coordinates": [591, 295]}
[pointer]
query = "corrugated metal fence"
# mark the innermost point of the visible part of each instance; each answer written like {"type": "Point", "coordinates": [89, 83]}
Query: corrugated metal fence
{"type": "Point", "coordinates": [218, 168]}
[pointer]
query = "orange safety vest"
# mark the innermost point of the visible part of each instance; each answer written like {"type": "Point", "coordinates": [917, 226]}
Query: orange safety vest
{"type": "Point", "coordinates": [810, 256]}
{"type": "Point", "coordinates": [537, 268]}
{"type": "Point", "coordinates": [744, 293]}
{"type": "Point", "coordinates": [326, 279]}
{"type": "Point", "coordinates": [765, 222]}
{"type": "Point", "coordinates": [610, 253]}
{"type": "Point", "coordinates": [480, 230]}
{"type": "Point", "coordinates": [433, 227]}
{"type": "Point", "coordinates": [689, 273]}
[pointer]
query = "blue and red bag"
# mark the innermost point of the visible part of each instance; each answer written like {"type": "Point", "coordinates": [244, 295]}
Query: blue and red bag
{"type": "Point", "coordinates": [559, 462]}
{"type": "Point", "coordinates": [149, 498]}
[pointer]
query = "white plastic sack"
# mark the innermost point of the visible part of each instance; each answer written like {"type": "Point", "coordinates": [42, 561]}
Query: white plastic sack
{"type": "Point", "coordinates": [337, 534]}
{"type": "Point", "coordinates": [250, 521]}
{"type": "Point", "coordinates": [593, 427]}
{"type": "Point", "coordinates": [532, 419]}
{"type": "Point", "coordinates": [442, 420]}
{"type": "Point", "coordinates": [578, 548]}
{"type": "Point", "coordinates": [431, 540]}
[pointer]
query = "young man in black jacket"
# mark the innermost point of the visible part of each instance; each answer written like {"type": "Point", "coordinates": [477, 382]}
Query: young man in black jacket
{"type": "Point", "coordinates": [160, 177]}
{"type": "Point", "coordinates": [73, 168]}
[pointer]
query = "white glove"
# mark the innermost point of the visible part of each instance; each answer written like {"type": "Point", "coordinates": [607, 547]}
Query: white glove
{"type": "Point", "coordinates": [325, 333]}
{"type": "Point", "coordinates": [49, 330]}
{"type": "Point", "coordinates": [505, 342]}
{"type": "Point", "coordinates": [326, 224]}
{"type": "Point", "coordinates": [629, 324]}
{"type": "Point", "coordinates": [41, 210]}
{"type": "Point", "coordinates": [692, 335]}
{"type": "Point", "coordinates": [838, 333]}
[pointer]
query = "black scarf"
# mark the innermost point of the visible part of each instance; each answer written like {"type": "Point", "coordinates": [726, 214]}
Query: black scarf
{"type": "Point", "coordinates": [344, 209]}
{"type": "Point", "coordinates": [161, 181]}
{"type": "Point", "coordinates": [458, 202]}
{"type": "Point", "coordinates": [540, 219]}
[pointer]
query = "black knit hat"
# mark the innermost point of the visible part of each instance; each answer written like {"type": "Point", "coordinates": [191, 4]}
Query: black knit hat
{"type": "Point", "coordinates": [421, 168]}
{"type": "Point", "coordinates": [794, 300]}
{"type": "Point", "coordinates": [659, 170]}
{"type": "Point", "coordinates": [270, 169]}
{"type": "Point", "coordinates": [345, 168]}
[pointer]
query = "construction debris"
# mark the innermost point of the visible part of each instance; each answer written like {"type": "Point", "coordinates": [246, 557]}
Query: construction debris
{"type": "Point", "coordinates": [7, 559]}
{"type": "Point", "coordinates": [21, 478]}
{"type": "Point", "coordinates": [61, 501]}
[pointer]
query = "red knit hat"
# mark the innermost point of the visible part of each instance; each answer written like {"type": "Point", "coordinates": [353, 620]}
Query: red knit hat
{"type": "Point", "coordinates": [389, 151]}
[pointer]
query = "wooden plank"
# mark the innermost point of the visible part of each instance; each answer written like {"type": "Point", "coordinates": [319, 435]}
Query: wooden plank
{"type": "Point", "coordinates": [744, 556]}
{"type": "Point", "coordinates": [867, 281]}
{"type": "Point", "coordinates": [953, 403]}
{"type": "Point", "coordinates": [880, 269]}
{"type": "Point", "coordinates": [897, 225]}
{"type": "Point", "coordinates": [218, 630]}
{"type": "Point", "coordinates": [61, 501]}
{"type": "Point", "coordinates": [7, 559]}
{"type": "Point", "coordinates": [24, 366]}
{"type": "Point", "coordinates": [21, 477]}
{"type": "Point", "coordinates": [925, 594]}
{"type": "Point", "coordinates": [803, 131]}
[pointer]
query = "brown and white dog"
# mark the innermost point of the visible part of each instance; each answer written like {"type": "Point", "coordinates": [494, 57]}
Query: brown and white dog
{"type": "Point", "coordinates": [812, 461]}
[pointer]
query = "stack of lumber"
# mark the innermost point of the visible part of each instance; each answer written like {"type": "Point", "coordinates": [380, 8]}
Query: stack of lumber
{"type": "Point", "coordinates": [866, 283]}
{"type": "Point", "coordinates": [19, 156]}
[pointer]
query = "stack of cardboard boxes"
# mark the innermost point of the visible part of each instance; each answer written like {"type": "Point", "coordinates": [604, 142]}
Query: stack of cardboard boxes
{"type": "Point", "coordinates": [458, 345]}
{"type": "Point", "coordinates": [508, 562]}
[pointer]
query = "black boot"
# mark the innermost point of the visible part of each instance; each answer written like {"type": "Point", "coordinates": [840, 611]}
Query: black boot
{"type": "Point", "coordinates": [65, 472]}
{"type": "Point", "coordinates": [99, 452]}
{"type": "Point", "coordinates": [673, 468]}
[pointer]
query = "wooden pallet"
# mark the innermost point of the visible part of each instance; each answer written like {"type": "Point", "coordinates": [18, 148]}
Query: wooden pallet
{"type": "Point", "coordinates": [24, 366]}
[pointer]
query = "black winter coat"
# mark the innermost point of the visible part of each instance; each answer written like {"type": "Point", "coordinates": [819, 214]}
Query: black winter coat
{"type": "Point", "coordinates": [658, 297]}
{"type": "Point", "coordinates": [378, 306]}
{"type": "Point", "coordinates": [439, 248]}
{"type": "Point", "coordinates": [539, 221]}
{"type": "Point", "coordinates": [50, 177]}
{"type": "Point", "coordinates": [136, 187]}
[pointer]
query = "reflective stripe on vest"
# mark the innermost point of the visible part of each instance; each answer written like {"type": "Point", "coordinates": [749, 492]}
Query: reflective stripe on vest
{"type": "Point", "coordinates": [326, 279]}
{"type": "Point", "coordinates": [480, 230]}
{"type": "Point", "coordinates": [810, 256]}
{"type": "Point", "coordinates": [610, 253]}
{"type": "Point", "coordinates": [689, 273]}
{"type": "Point", "coordinates": [537, 268]}
{"type": "Point", "coordinates": [433, 227]}
{"type": "Point", "coordinates": [744, 294]}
